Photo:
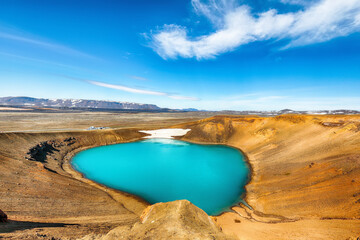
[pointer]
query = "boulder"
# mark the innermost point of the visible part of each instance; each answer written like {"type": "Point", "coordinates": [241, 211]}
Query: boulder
{"type": "Point", "coordinates": [3, 216]}
{"type": "Point", "coordinates": [172, 220]}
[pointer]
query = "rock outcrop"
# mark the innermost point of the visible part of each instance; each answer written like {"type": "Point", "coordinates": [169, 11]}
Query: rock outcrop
{"type": "Point", "coordinates": [40, 151]}
{"type": "Point", "coordinates": [172, 220]}
{"type": "Point", "coordinates": [3, 216]}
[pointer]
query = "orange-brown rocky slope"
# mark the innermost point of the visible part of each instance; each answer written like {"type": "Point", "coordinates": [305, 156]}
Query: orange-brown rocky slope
{"type": "Point", "coordinates": [38, 192]}
{"type": "Point", "coordinates": [305, 181]}
{"type": "Point", "coordinates": [172, 220]}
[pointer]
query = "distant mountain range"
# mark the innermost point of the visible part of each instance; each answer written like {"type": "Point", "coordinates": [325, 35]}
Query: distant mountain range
{"type": "Point", "coordinates": [74, 103]}
{"type": "Point", "coordinates": [289, 111]}
{"type": "Point", "coordinates": [99, 105]}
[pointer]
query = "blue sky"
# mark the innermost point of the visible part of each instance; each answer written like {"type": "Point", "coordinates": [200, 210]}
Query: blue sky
{"type": "Point", "coordinates": [207, 54]}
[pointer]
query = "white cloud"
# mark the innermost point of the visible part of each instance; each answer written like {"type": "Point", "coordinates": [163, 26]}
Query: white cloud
{"type": "Point", "coordinates": [139, 78]}
{"type": "Point", "coordinates": [40, 61]}
{"type": "Point", "coordinates": [266, 103]}
{"type": "Point", "coordinates": [126, 89]}
{"type": "Point", "coordinates": [138, 91]}
{"type": "Point", "coordinates": [236, 25]}
{"type": "Point", "coordinates": [22, 37]}
{"type": "Point", "coordinates": [299, 2]}
{"type": "Point", "coordinates": [177, 97]}
{"type": "Point", "coordinates": [214, 10]}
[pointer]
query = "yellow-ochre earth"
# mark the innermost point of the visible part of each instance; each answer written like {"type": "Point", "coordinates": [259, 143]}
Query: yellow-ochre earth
{"type": "Point", "coordinates": [305, 180]}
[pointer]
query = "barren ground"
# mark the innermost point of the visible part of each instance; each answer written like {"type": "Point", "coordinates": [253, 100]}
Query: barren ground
{"type": "Point", "coordinates": [74, 121]}
{"type": "Point", "coordinates": [305, 173]}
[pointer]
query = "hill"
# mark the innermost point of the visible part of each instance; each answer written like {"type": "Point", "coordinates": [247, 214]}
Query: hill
{"type": "Point", "coordinates": [74, 103]}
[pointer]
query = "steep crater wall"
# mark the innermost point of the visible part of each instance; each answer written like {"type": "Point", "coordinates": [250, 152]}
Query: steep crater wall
{"type": "Point", "coordinates": [302, 166]}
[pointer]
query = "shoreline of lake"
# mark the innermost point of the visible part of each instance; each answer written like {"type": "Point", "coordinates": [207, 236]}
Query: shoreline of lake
{"type": "Point", "coordinates": [154, 144]}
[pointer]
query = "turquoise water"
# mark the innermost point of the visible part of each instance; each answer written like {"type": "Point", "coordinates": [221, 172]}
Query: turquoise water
{"type": "Point", "coordinates": [160, 170]}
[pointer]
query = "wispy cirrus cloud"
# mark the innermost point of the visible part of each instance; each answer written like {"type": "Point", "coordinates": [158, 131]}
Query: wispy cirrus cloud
{"type": "Point", "coordinates": [299, 2]}
{"type": "Point", "coordinates": [126, 89]}
{"type": "Point", "coordinates": [237, 25]}
{"type": "Point", "coordinates": [133, 90]}
{"type": "Point", "coordinates": [215, 9]}
{"type": "Point", "coordinates": [282, 102]}
{"type": "Point", "coordinates": [138, 78]}
{"type": "Point", "coordinates": [42, 62]}
{"type": "Point", "coordinates": [26, 38]}
{"type": "Point", "coordinates": [140, 91]}
{"type": "Point", "coordinates": [177, 97]}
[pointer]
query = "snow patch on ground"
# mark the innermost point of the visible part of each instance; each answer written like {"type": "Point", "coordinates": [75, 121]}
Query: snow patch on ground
{"type": "Point", "coordinates": [167, 141]}
{"type": "Point", "coordinates": [166, 133]}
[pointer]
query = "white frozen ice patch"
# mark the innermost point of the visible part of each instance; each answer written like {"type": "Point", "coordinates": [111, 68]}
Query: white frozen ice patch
{"type": "Point", "coordinates": [167, 141]}
{"type": "Point", "coordinates": [166, 133]}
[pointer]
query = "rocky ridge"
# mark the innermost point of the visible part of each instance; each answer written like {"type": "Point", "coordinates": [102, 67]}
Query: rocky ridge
{"type": "Point", "coordinates": [74, 103]}
{"type": "Point", "coordinates": [3, 217]}
{"type": "Point", "coordinates": [172, 220]}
